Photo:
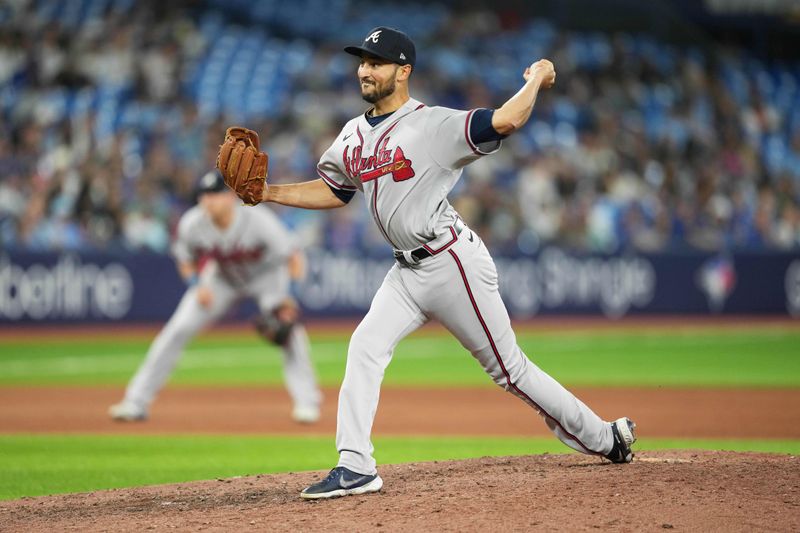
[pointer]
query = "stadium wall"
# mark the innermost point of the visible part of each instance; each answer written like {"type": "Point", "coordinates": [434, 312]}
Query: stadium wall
{"type": "Point", "coordinates": [106, 287]}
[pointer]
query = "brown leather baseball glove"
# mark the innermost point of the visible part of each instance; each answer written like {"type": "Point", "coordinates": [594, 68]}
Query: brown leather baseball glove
{"type": "Point", "coordinates": [243, 165]}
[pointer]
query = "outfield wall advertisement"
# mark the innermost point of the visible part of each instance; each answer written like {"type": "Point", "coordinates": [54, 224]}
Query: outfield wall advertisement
{"type": "Point", "coordinates": [146, 287]}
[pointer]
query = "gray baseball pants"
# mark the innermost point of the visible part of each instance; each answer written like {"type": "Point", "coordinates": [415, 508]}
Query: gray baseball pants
{"type": "Point", "coordinates": [459, 288]}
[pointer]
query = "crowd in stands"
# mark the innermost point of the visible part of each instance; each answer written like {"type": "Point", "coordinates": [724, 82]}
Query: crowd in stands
{"type": "Point", "coordinates": [110, 110]}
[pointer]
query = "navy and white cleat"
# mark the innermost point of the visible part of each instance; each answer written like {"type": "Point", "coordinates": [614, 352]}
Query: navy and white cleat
{"type": "Point", "coordinates": [622, 429]}
{"type": "Point", "coordinates": [342, 482]}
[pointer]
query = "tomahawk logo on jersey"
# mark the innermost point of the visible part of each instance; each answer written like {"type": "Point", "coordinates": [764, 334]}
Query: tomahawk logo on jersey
{"type": "Point", "coordinates": [385, 161]}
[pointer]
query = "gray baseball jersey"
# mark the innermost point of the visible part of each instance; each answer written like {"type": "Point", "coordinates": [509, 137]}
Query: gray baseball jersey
{"type": "Point", "coordinates": [250, 254]}
{"type": "Point", "coordinates": [249, 260]}
{"type": "Point", "coordinates": [406, 166]}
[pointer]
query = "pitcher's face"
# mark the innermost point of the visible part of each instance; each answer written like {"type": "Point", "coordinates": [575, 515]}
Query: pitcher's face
{"type": "Point", "coordinates": [377, 78]}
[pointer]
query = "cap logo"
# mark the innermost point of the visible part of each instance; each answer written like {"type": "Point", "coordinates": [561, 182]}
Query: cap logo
{"type": "Point", "coordinates": [374, 36]}
{"type": "Point", "coordinates": [402, 56]}
{"type": "Point", "coordinates": [209, 180]}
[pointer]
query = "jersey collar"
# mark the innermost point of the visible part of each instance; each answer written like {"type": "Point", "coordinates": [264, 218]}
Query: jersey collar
{"type": "Point", "coordinates": [410, 106]}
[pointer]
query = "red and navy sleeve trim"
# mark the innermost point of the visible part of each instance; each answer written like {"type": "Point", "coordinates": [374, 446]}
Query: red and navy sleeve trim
{"type": "Point", "coordinates": [341, 194]}
{"type": "Point", "coordinates": [469, 132]}
{"type": "Point", "coordinates": [481, 129]}
{"type": "Point", "coordinates": [332, 184]}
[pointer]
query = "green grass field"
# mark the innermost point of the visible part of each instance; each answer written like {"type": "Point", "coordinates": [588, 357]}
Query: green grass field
{"type": "Point", "coordinates": [46, 464]}
{"type": "Point", "coordinates": [746, 357]}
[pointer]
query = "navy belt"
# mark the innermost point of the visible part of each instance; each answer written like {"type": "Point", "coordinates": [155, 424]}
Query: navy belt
{"type": "Point", "coordinates": [425, 251]}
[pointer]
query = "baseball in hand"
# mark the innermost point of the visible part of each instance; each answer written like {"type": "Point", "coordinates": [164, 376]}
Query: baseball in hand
{"type": "Point", "coordinates": [544, 71]}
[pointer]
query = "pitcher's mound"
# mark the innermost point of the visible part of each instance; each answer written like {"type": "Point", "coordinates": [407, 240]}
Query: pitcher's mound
{"type": "Point", "coordinates": [682, 490]}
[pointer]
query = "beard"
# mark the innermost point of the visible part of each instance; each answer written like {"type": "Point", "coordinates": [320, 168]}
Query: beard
{"type": "Point", "coordinates": [379, 93]}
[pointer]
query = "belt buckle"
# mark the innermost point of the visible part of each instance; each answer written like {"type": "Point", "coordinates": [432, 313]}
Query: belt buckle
{"type": "Point", "coordinates": [400, 258]}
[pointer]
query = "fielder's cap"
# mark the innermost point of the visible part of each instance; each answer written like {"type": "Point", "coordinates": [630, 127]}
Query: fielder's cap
{"type": "Point", "coordinates": [387, 43]}
{"type": "Point", "coordinates": [211, 182]}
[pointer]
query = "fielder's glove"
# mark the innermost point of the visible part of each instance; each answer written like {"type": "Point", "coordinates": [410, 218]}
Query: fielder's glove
{"type": "Point", "coordinates": [276, 325]}
{"type": "Point", "coordinates": [243, 165]}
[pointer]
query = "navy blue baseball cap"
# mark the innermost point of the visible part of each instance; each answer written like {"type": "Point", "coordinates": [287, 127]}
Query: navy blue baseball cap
{"type": "Point", "coordinates": [387, 43]}
{"type": "Point", "coordinates": [211, 181]}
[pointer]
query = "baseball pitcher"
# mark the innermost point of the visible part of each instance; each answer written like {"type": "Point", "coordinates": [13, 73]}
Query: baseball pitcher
{"type": "Point", "coordinates": [247, 254]}
{"type": "Point", "coordinates": [405, 157]}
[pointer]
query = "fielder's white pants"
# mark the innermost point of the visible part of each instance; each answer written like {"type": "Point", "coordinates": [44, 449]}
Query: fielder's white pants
{"type": "Point", "coordinates": [190, 317]}
{"type": "Point", "coordinates": [458, 287]}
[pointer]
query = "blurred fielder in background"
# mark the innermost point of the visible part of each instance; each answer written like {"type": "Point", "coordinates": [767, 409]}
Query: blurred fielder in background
{"type": "Point", "coordinates": [225, 253]}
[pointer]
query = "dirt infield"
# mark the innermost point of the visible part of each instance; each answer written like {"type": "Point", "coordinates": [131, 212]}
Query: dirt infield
{"type": "Point", "coordinates": [712, 413]}
{"type": "Point", "coordinates": [685, 491]}
{"type": "Point", "coordinates": [690, 491]}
